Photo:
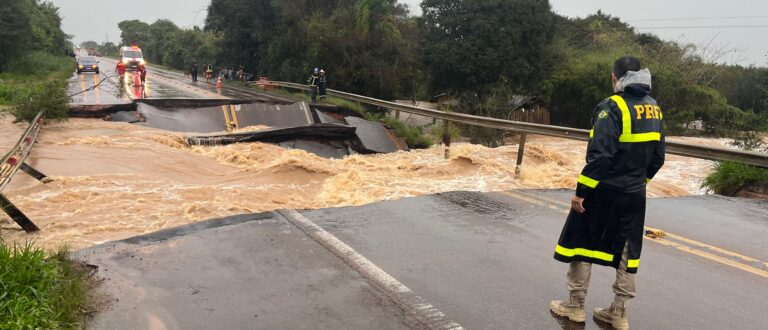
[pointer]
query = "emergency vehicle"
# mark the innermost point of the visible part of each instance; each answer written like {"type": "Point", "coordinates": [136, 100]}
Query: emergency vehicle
{"type": "Point", "coordinates": [131, 57]}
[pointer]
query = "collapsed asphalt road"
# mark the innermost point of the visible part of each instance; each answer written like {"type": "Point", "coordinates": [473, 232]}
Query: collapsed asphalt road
{"type": "Point", "coordinates": [171, 102]}
{"type": "Point", "coordinates": [478, 261]}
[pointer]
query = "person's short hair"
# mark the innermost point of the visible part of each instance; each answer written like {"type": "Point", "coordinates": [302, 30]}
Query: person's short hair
{"type": "Point", "coordinates": [625, 64]}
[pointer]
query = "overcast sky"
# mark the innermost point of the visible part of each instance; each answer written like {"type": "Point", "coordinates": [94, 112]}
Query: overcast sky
{"type": "Point", "coordinates": [739, 26]}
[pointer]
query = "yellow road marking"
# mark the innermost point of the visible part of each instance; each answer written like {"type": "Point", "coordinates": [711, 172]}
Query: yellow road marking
{"type": "Point", "coordinates": [668, 234]}
{"type": "Point", "coordinates": [234, 116]}
{"type": "Point", "coordinates": [226, 117]}
{"type": "Point", "coordinates": [542, 201]}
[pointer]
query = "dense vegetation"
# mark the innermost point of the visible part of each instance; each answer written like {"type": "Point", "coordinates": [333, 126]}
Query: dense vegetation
{"type": "Point", "coordinates": [35, 59]}
{"type": "Point", "coordinates": [38, 290]}
{"type": "Point", "coordinates": [30, 25]}
{"type": "Point", "coordinates": [479, 52]}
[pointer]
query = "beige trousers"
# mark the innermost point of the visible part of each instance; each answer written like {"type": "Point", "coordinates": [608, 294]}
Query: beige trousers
{"type": "Point", "coordinates": [579, 273]}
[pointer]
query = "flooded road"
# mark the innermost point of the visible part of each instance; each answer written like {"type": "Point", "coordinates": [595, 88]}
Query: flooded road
{"type": "Point", "coordinates": [116, 180]}
{"type": "Point", "coordinates": [107, 87]}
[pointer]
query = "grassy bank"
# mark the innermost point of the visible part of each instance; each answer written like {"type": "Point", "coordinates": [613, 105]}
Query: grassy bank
{"type": "Point", "coordinates": [728, 178]}
{"type": "Point", "coordinates": [34, 82]}
{"type": "Point", "coordinates": [39, 290]}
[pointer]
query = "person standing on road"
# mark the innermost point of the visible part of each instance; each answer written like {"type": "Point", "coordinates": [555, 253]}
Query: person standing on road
{"type": "Point", "coordinates": [143, 74]}
{"type": "Point", "coordinates": [208, 73]}
{"type": "Point", "coordinates": [120, 69]}
{"type": "Point", "coordinates": [193, 72]}
{"type": "Point", "coordinates": [312, 81]}
{"type": "Point", "coordinates": [605, 225]}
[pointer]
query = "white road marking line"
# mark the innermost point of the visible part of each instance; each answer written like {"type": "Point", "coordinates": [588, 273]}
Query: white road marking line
{"type": "Point", "coordinates": [411, 303]}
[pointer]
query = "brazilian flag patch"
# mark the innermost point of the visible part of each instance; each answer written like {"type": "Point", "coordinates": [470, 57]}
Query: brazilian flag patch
{"type": "Point", "coordinates": [602, 114]}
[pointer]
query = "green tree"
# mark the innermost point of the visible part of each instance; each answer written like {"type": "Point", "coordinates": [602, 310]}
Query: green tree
{"type": "Point", "coordinates": [470, 44]}
{"type": "Point", "coordinates": [189, 46]}
{"type": "Point", "coordinates": [160, 36]}
{"type": "Point", "coordinates": [246, 27]}
{"type": "Point", "coordinates": [134, 32]}
{"type": "Point", "coordinates": [89, 44]}
{"type": "Point", "coordinates": [46, 29]}
{"type": "Point", "coordinates": [109, 49]}
{"type": "Point", "coordinates": [30, 25]}
{"type": "Point", "coordinates": [14, 29]}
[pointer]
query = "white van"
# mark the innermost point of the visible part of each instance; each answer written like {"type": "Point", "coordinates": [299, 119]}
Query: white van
{"type": "Point", "coordinates": [131, 57]}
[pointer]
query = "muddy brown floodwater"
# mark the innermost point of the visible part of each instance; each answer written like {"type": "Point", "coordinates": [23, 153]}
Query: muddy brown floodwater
{"type": "Point", "coordinates": [116, 180]}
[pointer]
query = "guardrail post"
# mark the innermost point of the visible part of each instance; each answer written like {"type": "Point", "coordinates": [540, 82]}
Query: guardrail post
{"type": "Point", "coordinates": [17, 215]}
{"type": "Point", "coordinates": [447, 138]}
{"type": "Point", "coordinates": [35, 173]}
{"type": "Point", "coordinates": [520, 152]}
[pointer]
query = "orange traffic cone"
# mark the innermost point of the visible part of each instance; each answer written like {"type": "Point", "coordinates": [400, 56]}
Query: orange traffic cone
{"type": "Point", "coordinates": [136, 79]}
{"type": "Point", "coordinates": [218, 83]}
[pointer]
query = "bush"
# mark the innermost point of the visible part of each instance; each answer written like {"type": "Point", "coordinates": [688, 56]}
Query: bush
{"type": "Point", "coordinates": [36, 81]}
{"type": "Point", "coordinates": [49, 95]}
{"type": "Point", "coordinates": [38, 291]}
{"type": "Point", "coordinates": [750, 141]}
{"type": "Point", "coordinates": [347, 104]}
{"type": "Point", "coordinates": [413, 136]}
{"type": "Point", "coordinates": [728, 178]}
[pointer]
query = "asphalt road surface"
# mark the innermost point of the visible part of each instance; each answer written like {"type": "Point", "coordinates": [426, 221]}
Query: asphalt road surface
{"type": "Point", "coordinates": [106, 87]}
{"type": "Point", "coordinates": [479, 260]}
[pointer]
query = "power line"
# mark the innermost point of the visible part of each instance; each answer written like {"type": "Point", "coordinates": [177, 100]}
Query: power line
{"type": "Point", "coordinates": [672, 27]}
{"type": "Point", "coordinates": [693, 18]}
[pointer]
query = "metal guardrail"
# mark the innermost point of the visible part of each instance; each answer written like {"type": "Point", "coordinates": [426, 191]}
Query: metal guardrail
{"type": "Point", "coordinates": [675, 148]}
{"type": "Point", "coordinates": [13, 160]}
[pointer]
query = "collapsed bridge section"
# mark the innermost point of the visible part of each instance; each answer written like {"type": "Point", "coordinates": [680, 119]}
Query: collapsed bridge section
{"type": "Point", "coordinates": [327, 132]}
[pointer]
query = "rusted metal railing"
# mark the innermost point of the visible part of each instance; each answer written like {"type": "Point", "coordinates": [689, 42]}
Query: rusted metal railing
{"type": "Point", "coordinates": [14, 160]}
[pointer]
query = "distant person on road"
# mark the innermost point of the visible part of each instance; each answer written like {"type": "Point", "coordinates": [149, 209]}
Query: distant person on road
{"type": "Point", "coordinates": [120, 69]}
{"type": "Point", "coordinates": [193, 72]}
{"type": "Point", "coordinates": [321, 83]}
{"type": "Point", "coordinates": [605, 225]}
{"type": "Point", "coordinates": [143, 74]}
{"type": "Point", "coordinates": [208, 73]}
{"type": "Point", "coordinates": [312, 81]}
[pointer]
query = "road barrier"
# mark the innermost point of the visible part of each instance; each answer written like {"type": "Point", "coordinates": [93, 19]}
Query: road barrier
{"type": "Point", "coordinates": [675, 148]}
{"type": "Point", "coordinates": [12, 162]}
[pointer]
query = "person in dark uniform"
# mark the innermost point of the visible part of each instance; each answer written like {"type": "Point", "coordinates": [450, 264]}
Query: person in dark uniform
{"type": "Point", "coordinates": [321, 83]}
{"type": "Point", "coordinates": [193, 72]}
{"type": "Point", "coordinates": [605, 225]}
{"type": "Point", "coordinates": [312, 81]}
